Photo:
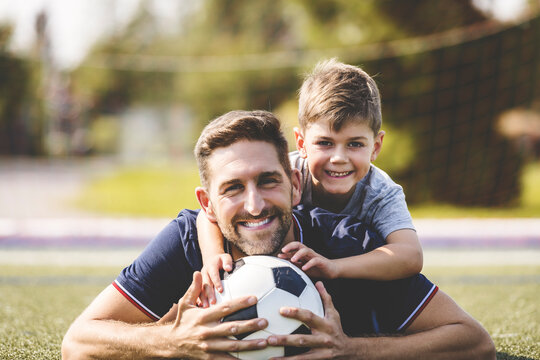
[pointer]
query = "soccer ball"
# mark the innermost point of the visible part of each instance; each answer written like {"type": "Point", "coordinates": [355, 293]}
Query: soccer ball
{"type": "Point", "coordinates": [276, 283]}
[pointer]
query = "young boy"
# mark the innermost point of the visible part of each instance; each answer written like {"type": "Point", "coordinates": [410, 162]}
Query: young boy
{"type": "Point", "coordinates": [339, 136]}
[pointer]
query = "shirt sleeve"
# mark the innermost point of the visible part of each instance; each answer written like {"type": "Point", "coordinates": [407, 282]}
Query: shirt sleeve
{"type": "Point", "coordinates": [160, 276]}
{"type": "Point", "coordinates": [380, 202]}
{"type": "Point", "coordinates": [398, 303]}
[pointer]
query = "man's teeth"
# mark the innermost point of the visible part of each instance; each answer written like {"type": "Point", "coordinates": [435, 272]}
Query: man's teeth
{"type": "Point", "coordinates": [255, 224]}
{"type": "Point", "coordinates": [339, 174]}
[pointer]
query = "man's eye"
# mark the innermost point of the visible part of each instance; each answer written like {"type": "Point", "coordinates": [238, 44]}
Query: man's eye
{"type": "Point", "coordinates": [232, 188]}
{"type": "Point", "coordinates": [268, 181]}
{"type": "Point", "coordinates": [356, 144]}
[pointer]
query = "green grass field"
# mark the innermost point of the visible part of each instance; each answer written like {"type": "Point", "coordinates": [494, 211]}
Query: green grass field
{"type": "Point", "coordinates": [39, 302]}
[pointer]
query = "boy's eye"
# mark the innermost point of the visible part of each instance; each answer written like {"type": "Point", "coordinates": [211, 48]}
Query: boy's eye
{"type": "Point", "coordinates": [356, 144]}
{"type": "Point", "coordinates": [324, 143]}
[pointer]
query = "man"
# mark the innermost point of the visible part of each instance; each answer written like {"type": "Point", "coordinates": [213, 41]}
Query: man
{"type": "Point", "coordinates": [249, 189]}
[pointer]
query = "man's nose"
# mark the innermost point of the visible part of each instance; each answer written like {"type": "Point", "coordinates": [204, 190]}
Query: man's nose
{"type": "Point", "coordinates": [254, 203]}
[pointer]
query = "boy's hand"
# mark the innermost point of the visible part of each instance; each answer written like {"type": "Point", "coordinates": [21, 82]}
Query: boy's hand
{"type": "Point", "coordinates": [313, 264]}
{"type": "Point", "coordinates": [211, 278]}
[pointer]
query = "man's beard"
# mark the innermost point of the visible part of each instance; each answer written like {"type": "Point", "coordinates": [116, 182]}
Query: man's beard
{"type": "Point", "coordinates": [264, 243]}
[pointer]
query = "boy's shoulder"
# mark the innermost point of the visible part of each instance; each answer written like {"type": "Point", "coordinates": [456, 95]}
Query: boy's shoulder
{"type": "Point", "coordinates": [377, 179]}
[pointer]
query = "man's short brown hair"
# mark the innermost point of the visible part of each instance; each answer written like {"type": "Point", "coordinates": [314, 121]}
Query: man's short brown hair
{"type": "Point", "coordinates": [339, 93]}
{"type": "Point", "coordinates": [240, 125]}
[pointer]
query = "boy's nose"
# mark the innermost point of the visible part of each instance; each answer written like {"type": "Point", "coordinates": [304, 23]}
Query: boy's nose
{"type": "Point", "coordinates": [338, 156]}
{"type": "Point", "coordinates": [254, 203]}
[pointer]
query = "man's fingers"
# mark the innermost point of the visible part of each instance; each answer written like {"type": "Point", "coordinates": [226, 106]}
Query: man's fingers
{"type": "Point", "coordinates": [307, 317]}
{"type": "Point", "coordinates": [329, 309]}
{"type": "Point", "coordinates": [229, 345]}
{"type": "Point", "coordinates": [232, 328]}
{"type": "Point", "coordinates": [194, 290]}
{"type": "Point", "coordinates": [215, 313]}
{"type": "Point", "coordinates": [325, 296]}
{"type": "Point", "coordinates": [203, 297]}
{"type": "Point", "coordinates": [309, 341]}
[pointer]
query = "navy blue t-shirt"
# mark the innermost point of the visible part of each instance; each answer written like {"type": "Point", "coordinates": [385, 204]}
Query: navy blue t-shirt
{"type": "Point", "coordinates": [160, 276]}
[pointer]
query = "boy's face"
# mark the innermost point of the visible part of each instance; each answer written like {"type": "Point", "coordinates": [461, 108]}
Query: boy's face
{"type": "Point", "coordinates": [337, 160]}
{"type": "Point", "coordinates": [250, 196]}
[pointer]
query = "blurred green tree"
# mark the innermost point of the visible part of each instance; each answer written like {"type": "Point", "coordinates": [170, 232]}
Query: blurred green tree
{"type": "Point", "coordinates": [232, 54]}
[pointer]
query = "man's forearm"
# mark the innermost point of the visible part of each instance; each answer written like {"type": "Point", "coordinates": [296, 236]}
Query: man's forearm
{"type": "Point", "coordinates": [104, 339]}
{"type": "Point", "coordinates": [452, 342]}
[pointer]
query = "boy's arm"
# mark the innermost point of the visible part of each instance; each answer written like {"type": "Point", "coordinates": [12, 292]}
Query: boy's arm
{"type": "Point", "coordinates": [210, 238]}
{"type": "Point", "coordinates": [399, 258]}
{"type": "Point", "coordinates": [213, 255]}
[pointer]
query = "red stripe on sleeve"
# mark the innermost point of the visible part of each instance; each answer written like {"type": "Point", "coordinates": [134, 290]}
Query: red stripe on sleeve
{"type": "Point", "coordinates": [134, 302]}
{"type": "Point", "coordinates": [421, 308]}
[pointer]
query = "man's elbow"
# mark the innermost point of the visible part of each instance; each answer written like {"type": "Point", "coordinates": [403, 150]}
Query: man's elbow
{"type": "Point", "coordinates": [486, 347]}
{"type": "Point", "coordinates": [70, 349]}
{"type": "Point", "coordinates": [483, 348]}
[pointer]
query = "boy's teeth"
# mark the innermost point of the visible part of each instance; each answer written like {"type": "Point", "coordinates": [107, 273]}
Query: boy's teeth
{"type": "Point", "coordinates": [339, 174]}
{"type": "Point", "coordinates": [255, 224]}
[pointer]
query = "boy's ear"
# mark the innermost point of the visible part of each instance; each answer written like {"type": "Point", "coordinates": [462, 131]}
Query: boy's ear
{"type": "Point", "coordinates": [377, 146]}
{"type": "Point", "coordinates": [296, 187]}
{"type": "Point", "coordinates": [299, 138]}
{"type": "Point", "coordinates": [204, 201]}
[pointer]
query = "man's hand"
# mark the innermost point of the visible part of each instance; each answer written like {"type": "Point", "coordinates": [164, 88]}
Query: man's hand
{"type": "Point", "coordinates": [313, 264]}
{"type": "Point", "coordinates": [211, 278]}
{"type": "Point", "coordinates": [200, 332]}
{"type": "Point", "coordinates": [327, 339]}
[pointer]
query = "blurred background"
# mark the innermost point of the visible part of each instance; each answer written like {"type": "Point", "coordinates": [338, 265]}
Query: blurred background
{"type": "Point", "coordinates": [102, 101]}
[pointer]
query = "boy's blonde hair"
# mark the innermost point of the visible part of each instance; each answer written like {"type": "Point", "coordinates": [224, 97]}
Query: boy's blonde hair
{"type": "Point", "coordinates": [340, 93]}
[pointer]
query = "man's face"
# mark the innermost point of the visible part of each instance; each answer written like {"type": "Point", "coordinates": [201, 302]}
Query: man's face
{"type": "Point", "coordinates": [250, 196]}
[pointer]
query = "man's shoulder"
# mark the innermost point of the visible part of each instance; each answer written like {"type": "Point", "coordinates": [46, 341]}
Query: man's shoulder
{"type": "Point", "coordinates": [187, 216]}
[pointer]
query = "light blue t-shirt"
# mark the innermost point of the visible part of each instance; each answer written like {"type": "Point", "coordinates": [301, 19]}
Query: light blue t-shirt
{"type": "Point", "coordinates": [377, 200]}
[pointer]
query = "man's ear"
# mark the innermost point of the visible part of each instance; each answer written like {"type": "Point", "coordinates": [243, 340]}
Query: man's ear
{"type": "Point", "coordinates": [300, 145]}
{"type": "Point", "coordinates": [296, 180]}
{"type": "Point", "coordinates": [204, 201]}
{"type": "Point", "coordinates": [377, 146]}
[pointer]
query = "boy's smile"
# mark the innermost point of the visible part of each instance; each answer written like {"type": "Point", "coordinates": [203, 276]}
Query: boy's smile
{"type": "Point", "coordinates": [339, 159]}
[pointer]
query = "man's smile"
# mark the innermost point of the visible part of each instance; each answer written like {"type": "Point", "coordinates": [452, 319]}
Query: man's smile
{"type": "Point", "coordinates": [256, 223]}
